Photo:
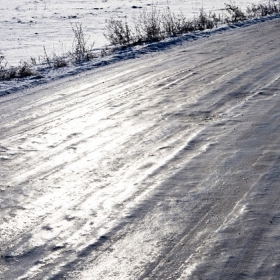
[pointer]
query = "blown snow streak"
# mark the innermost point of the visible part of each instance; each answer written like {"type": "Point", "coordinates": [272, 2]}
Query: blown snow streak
{"type": "Point", "coordinates": [162, 166]}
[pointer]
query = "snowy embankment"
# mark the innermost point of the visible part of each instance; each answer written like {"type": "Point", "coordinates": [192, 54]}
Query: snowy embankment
{"type": "Point", "coordinates": [48, 74]}
{"type": "Point", "coordinates": [163, 166]}
{"type": "Point", "coordinates": [155, 23]}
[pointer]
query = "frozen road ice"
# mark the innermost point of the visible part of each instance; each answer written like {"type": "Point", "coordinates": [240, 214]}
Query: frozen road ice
{"type": "Point", "coordinates": [161, 167]}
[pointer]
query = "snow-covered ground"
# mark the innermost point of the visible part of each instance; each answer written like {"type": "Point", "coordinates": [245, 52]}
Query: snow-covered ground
{"type": "Point", "coordinates": [46, 74]}
{"type": "Point", "coordinates": [165, 166]}
{"type": "Point", "coordinates": [27, 26]}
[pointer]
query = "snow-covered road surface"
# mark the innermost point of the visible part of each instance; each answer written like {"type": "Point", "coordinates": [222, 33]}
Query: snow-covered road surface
{"type": "Point", "coordinates": [161, 167]}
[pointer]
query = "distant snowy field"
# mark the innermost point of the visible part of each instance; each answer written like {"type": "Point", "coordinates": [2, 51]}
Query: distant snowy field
{"type": "Point", "coordinates": [27, 26]}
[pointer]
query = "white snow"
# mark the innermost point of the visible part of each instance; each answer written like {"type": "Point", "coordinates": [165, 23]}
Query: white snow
{"type": "Point", "coordinates": [27, 26]}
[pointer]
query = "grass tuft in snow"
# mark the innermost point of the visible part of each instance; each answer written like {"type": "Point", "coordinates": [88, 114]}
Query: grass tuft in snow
{"type": "Point", "coordinates": [235, 14]}
{"type": "Point", "coordinates": [264, 9]}
{"type": "Point", "coordinates": [80, 50]}
{"type": "Point", "coordinates": [154, 24]}
{"type": "Point", "coordinates": [24, 69]}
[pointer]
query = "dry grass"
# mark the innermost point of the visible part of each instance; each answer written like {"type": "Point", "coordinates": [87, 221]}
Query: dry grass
{"type": "Point", "coordinates": [154, 24]}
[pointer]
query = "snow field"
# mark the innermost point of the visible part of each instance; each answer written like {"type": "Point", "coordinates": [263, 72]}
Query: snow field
{"type": "Point", "coordinates": [28, 26]}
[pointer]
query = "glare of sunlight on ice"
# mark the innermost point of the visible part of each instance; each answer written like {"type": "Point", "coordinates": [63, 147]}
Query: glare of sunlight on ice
{"type": "Point", "coordinates": [188, 272]}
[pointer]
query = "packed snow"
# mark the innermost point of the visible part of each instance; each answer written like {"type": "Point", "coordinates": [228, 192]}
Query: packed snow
{"type": "Point", "coordinates": [164, 166]}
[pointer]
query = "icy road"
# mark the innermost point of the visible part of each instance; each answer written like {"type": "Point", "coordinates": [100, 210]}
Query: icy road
{"type": "Point", "coordinates": [166, 166]}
